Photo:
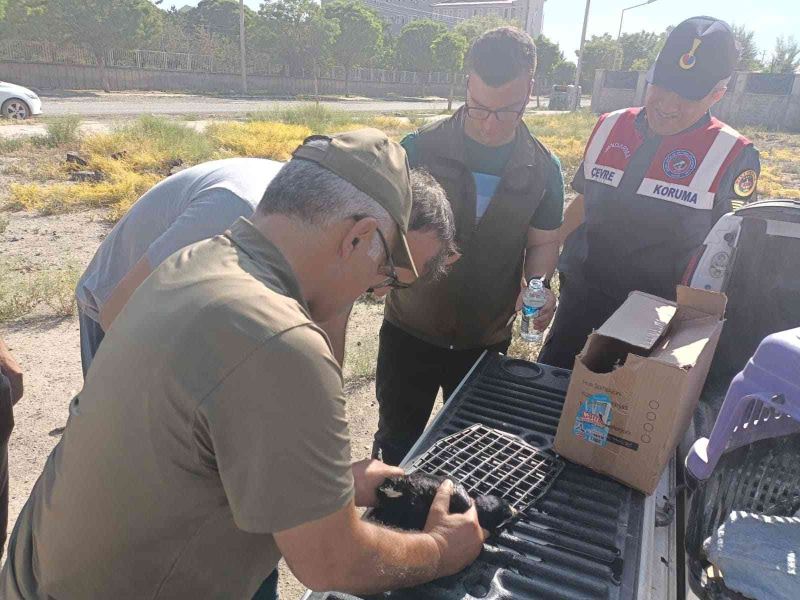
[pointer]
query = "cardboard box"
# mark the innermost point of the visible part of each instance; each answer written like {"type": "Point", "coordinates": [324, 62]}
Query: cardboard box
{"type": "Point", "coordinates": [636, 384]}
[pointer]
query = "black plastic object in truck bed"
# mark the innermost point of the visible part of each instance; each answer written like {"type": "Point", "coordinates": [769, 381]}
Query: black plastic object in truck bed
{"type": "Point", "coordinates": [582, 540]}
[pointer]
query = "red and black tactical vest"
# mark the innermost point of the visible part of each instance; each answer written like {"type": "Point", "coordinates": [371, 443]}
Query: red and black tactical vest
{"type": "Point", "coordinates": [644, 221]}
{"type": "Point", "coordinates": [686, 169]}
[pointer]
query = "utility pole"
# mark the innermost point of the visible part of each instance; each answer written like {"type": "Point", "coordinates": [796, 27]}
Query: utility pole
{"type": "Point", "coordinates": [618, 64]}
{"type": "Point", "coordinates": [622, 15]}
{"type": "Point", "coordinates": [242, 51]}
{"type": "Point", "coordinates": [577, 104]}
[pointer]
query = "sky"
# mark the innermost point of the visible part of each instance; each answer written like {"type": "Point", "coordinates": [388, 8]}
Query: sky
{"type": "Point", "coordinates": [563, 19]}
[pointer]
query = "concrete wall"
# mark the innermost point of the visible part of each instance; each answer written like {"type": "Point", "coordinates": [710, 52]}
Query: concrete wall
{"type": "Point", "coordinates": [77, 77]}
{"type": "Point", "coordinates": [606, 98]}
{"type": "Point", "coordinates": [739, 107]}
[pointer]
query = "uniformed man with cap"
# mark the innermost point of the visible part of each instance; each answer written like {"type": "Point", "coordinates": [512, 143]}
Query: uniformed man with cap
{"type": "Point", "coordinates": [653, 182]}
{"type": "Point", "coordinates": [210, 436]}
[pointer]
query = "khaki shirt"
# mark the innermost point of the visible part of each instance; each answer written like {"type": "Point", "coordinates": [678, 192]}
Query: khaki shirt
{"type": "Point", "coordinates": [212, 416]}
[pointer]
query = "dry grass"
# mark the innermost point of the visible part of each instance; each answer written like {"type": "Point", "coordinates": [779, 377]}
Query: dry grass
{"type": "Point", "coordinates": [23, 291]}
{"type": "Point", "coordinates": [8, 145]}
{"type": "Point", "coordinates": [776, 183]}
{"type": "Point", "coordinates": [262, 139]}
{"type": "Point", "coordinates": [60, 132]}
{"type": "Point", "coordinates": [119, 192]}
{"type": "Point", "coordinates": [780, 167]}
{"type": "Point", "coordinates": [565, 135]}
{"type": "Point", "coordinates": [780, 163]}
{"type": "Point", "coordinates": [135, 156]}
{"type": "Point", "coordinates": [321, 119]}
{"type": "Point", "coordinates": [44, 170]}
{"type": "Point", "coordinates": [150, 147]}
{"type": "Point", "coordinates": [361, 344]}
{"type": "Point", "coordinates": [145, 149]}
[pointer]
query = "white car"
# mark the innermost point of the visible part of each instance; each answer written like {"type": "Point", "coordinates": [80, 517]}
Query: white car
{"type": "Point", "coordinates": [17, 102]}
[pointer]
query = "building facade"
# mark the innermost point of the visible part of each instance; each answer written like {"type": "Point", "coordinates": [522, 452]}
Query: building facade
{"type": "Point", "coordinates": [530, 13]}
{"type": "Point", "coordinates": [397, 13]}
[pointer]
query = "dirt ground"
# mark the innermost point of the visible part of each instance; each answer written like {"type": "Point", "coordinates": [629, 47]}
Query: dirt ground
{"type": "Point", "coordinates": [47, 347]}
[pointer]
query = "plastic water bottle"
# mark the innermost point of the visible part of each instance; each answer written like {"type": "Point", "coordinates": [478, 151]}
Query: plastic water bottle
{"type": "Point", "coordinates": [534, 298]}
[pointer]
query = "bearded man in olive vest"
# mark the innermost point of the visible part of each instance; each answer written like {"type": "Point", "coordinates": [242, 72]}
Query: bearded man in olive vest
{"type": "Point", "coordinates": [507, 194]}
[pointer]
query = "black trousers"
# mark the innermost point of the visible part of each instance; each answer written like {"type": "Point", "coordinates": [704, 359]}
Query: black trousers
{"type": "Point", "coordinates": [409, 375]}
{"type": "Point", "coordinates": [581, 310]}
{"type": "Point", "coordinates": [6, 426]}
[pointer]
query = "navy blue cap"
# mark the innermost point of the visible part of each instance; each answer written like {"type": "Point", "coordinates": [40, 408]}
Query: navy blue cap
{"type": "Point", "coordinates": [698, 54]}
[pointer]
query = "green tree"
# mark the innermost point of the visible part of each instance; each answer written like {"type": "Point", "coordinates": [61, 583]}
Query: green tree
{"type": "Point", "coordinates": [599, 52]}
{"type": "Point", "coordinates": [299, 35]}
{"type": "Point", "coordinates": [414, 46]}
{"type": "Point", "coordinates": [360, 38]}
{"type": "Point", "coordinates": [473, 28]}
{"type": "Point", "coordinates": [564, 73]}
{"type": "Point", "coordinates": [749, 52]}
{"type": "Point", "coordinates": [640, 48]}
{"type": "Point", "coordinates": [786, 56]}
{"type": "Point", "coordinates": [548, 55]}
{"type": "Point", "coordinates": [414, 51]}
{"type": "Point", "coordinates": [180, 34]}
{"type": "Point", "coordinates": [24, 20]}
{"type": "Point", "coordinates": [219, 17]}
{"type": "Point", "coordinates": [99, 25]}
{"type": "Point", "coordinates": [386, 58]}
{"type": "Point", "coordinates": [448, 56]}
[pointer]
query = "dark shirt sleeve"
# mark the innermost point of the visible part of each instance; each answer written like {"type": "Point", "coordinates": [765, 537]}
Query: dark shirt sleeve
{"type": "Point", "coordinates": [726, 195]}
{"type": "Point", "coordinates": [550, 213]}
{"type": "Point", "coordinates": [409, 144]}
{"type": "Point", "coordinates": [578, 180]}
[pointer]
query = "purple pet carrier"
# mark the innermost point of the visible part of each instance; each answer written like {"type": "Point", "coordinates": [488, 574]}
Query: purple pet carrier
{"type": "Point", "coordinates": [763, 401]}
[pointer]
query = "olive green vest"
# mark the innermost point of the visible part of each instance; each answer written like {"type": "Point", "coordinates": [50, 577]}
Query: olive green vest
{"type": "Point", "coordinates": [473, 305]}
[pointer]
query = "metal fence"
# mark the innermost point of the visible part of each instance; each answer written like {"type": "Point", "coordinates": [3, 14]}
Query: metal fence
{"type": "Point", "coordinates": [46, 52]}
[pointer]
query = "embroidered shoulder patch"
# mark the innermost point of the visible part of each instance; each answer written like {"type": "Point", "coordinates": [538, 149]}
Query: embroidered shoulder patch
{"type": "Point", "coordinates": [745, 183]}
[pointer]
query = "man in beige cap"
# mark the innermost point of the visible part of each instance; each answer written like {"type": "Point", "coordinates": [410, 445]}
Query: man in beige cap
{"type": "Point", "coordinates": [210, 437]}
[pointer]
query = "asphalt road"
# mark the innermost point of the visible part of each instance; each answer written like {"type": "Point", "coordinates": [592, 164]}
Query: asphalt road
{"type": "Point", "coordinates": [132, 104]}
{"type": "Point", "coordinates": [89, 104]}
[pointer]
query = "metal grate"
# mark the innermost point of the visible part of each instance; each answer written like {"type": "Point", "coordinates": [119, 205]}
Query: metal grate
{"type": "Point", "coordinates": [488, 461]}
{"type": "Point", "coordinates": [581, 541]}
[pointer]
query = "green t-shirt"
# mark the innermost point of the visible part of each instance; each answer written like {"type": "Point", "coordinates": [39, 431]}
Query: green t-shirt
{"type": "Point", "coordinates": [487, 164]}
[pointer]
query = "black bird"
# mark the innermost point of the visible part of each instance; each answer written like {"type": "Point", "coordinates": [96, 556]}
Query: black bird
{"type": "Point", "coordinates": [404, 502]}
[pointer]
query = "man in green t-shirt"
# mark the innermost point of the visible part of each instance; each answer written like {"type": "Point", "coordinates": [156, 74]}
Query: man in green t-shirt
{"type": "Point", "coordinates": [507, 194]}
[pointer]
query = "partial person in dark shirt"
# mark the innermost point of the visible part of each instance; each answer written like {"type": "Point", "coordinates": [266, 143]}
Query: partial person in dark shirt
{"type": "Point", "coordinates": [11, 388]}
{"type": "Point", "coordinates": [653, 182]}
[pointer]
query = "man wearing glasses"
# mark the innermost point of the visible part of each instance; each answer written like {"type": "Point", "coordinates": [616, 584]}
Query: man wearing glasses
{"type": "Point", "coordinates": [507, 195]}
{"type": "Point", "coordinates": [210, 437]}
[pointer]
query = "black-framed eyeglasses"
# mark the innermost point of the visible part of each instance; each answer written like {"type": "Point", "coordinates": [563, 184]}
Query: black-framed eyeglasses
{"type": "Point", "coordinates": [392, 281]}
{"type": "Point", "coordinates": [504, 116]}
